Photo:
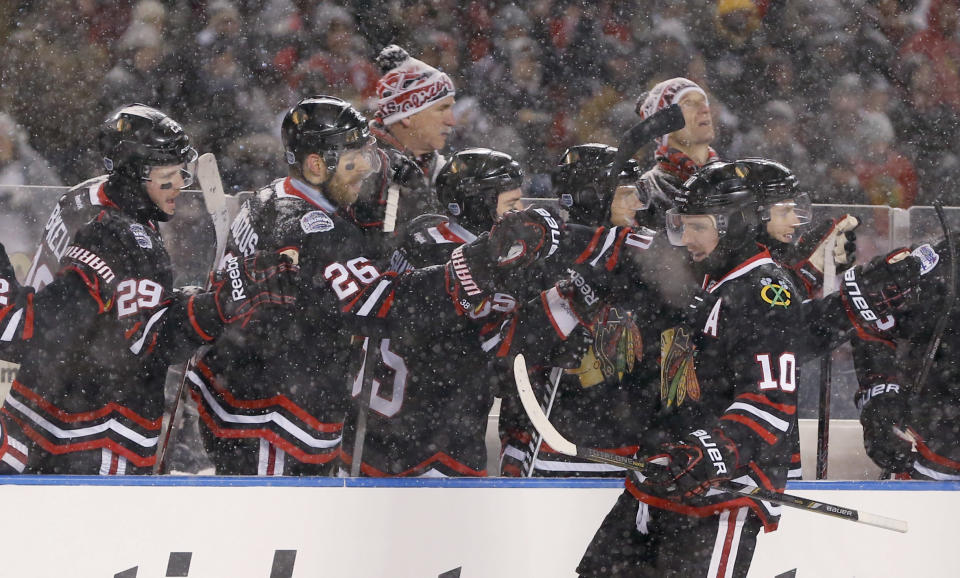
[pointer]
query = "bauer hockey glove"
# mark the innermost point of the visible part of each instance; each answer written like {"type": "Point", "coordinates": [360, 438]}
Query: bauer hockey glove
{"type": "Point", "coordinates": [690, 467]}
{"type": "Point", "coordinates": [518, 240]}
{"type": "Point", "coordinates": [883, 410]}
{"type": "Point", "coordinates": [240, 288]}
{"type": "Point", "coordinates": [810, 253]}
{"type": "Point", "coordinates": [887, 283]}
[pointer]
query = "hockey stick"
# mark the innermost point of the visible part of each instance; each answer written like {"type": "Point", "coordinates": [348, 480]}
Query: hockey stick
{"type": "Point", "coordinates": [556, 440]}
{"type": "Point", "coordinates": [665, 121]}
{"type": "Point", "coordinates": [216, 202]}
{"type": "Point", "coordinates": [941, 325]}
{"type": "Point", "coordinates": [555, 385]}
{"type": "Point", "coordinates": [826, 368]}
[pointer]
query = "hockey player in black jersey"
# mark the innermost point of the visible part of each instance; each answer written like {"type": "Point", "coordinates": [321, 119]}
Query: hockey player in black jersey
{"type": "Point", "coordinates": [908, 432]}
{"type": "Point", "coordinates": [727, 401]}
{"type": "Point", "coordinates": [95, 343]}
{"type": "Point", "coordinates": [581, 393]}
{"type": "Point", "coordinates": [274, 402]}
{"type": "Point", "coordinates": [431, 393]}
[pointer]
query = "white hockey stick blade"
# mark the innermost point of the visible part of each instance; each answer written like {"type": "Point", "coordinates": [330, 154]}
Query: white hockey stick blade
{"type": "Point", "coordinates": [540, 421]}
{"type": "Point", "coordinates": [215, 200]}
{"type": "Point", "coordinates": [556, 441]}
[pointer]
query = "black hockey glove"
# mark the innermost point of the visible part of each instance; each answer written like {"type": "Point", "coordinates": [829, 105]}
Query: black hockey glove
{"type": "Point", "coordinates": [518, 240]}
{"type": "Point", "coordinates": [689, 468]}
{"type": "Point", "coordinates": [885, 284]}
{"type": "Point", "coordinates": [809, 255]}
{"type": "Point", "coordinates": [236, 291]}
{"type": "Point", "coordinates": [10, 288]}
{"type": "Point", "coordinates": [883, 412]}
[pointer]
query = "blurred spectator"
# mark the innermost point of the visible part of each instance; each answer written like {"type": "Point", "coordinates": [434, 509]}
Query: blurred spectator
{"type": "Point", "coordinates": [19, 163]}
{"type": "Point", "coordinates": [886, 176]}
{"type": "Point", "coordinates": [931, 131]}
{"type": "Point", "coordinates": [938, 43]}
{"type": "Point", "coordinates": [340, 64]}
{"type": "Point", "coordinates": [775, 137]}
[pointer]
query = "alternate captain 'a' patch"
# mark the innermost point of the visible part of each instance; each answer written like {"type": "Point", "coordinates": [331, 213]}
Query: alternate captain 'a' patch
{"type": "Point", "coordinates": [316, 222]}
{"type": "Point", "coordinates": [141, 235]}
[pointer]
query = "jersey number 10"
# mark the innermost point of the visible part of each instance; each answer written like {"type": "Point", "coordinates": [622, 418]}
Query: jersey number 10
{"type": "Point", "coordinates": [788, 372]}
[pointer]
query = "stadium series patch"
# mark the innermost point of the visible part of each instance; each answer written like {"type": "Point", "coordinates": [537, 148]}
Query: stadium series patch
{"type": "Point", "coordinates": [316, 222]}
{"type": "Point", "coordinates": [140, 234]}
{"type": "Point", "coordinates": [928, 258]}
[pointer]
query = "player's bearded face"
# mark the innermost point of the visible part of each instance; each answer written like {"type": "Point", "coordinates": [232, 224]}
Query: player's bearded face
{"type": "Point", "coordinates": [700, 236]}
{"type": "Point", "coordinates": [163, 186]}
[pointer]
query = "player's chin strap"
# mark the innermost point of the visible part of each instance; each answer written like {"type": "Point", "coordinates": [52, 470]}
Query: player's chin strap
{"type": "Point", "coordinates": [559, 443]}
{"type": "Point", "coordinates": [948, 300]}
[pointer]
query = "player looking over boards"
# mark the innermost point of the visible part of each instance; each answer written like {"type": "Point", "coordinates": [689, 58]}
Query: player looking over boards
{"type": "Point", "coordinates": [724, 414]}
{"type": "Point", "coordinates": [95, 343]}
{"type": "Point", "coordinates": [679, 154]}
{"type": "Point", "coordinates": [414, 118]}
{"type": "Point", "coordinates": [273, 402]}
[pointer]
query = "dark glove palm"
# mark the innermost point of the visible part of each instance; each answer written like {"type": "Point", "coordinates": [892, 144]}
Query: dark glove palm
{"type": "Point", "coordinates": [689, 468]}
{"type": "Point", "coordinates": [884, 411]}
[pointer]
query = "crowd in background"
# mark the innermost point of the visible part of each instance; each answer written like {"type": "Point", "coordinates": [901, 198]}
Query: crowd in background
{"type": "Point", "coordinates": [860, 97]}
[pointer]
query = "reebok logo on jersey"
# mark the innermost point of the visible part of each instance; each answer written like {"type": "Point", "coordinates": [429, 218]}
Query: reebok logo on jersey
{"type": "Point", "coordinates": [92, 261]}
{"type": "Point", "coordinates": [554, 230]}
{"type": "Point", "coordinates": [236, 285]}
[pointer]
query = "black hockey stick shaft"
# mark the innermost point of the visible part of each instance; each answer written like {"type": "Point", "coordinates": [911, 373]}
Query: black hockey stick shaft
{"type": "Point", "coordinates": [559, 443]}
{"type": "Point", "coordinates": [941, 325]}
{"type": "Point", "coordinates": [665, 121]}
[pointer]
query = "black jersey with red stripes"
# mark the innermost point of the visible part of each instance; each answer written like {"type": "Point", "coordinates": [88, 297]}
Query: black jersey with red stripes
{"type": "Point", "coordinates": [285, 382]}
{"type": "Point", "coordinates": [604, 384]}
{"type": "Point", "coordinates": [74, 209]}
{"type": "Point", "coordinates": [889, 357]}
{"type": "Point", "coordinates": [95, 343]}
{"type": "Point", "coordinates": [742, 381]}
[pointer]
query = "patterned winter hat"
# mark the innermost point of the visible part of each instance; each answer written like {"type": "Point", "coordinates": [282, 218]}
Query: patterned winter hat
{"type": "Point", "coordinates": [408, 85]}
{"type": "Point", "coordinates": [663, 95]}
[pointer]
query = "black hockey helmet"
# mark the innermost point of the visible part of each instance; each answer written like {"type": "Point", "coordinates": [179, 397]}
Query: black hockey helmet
{"type": "Point", "coordinates": [719, 190]}
{"type": "Point", "coordinates": [137, 137]}
{"type": "Point", "coordinates": [581, 182]}
{"type": "Point", "coordinates": [324, 125]}
{"type": "Point", "coordinates": [134, 139]}
{"type": "Point", "coordinates": [469, 184]}
{"type": "Point", "coordinates": [775, 185]}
